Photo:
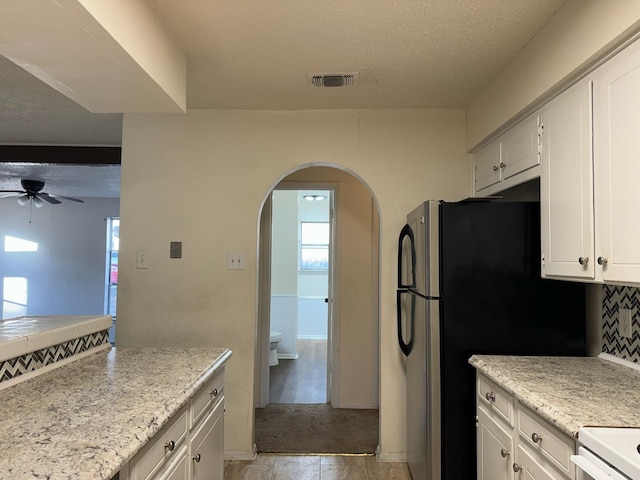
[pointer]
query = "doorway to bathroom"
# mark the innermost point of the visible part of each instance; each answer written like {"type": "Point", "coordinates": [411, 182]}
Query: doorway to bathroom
{"type": "Point", "coordinates": [301, 267]}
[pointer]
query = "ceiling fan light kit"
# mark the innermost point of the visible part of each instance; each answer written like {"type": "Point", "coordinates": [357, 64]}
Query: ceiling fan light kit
{"type": "Point", "coordinates": [33, 195]}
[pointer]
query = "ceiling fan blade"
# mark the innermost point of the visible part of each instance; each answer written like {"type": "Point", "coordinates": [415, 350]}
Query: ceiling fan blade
{"type": "Point", "coordinates": [66, 198]}
{"type": "Point", "coordinates": [47, 198]}
{"type": "Point", "coordinates": [10, 193]}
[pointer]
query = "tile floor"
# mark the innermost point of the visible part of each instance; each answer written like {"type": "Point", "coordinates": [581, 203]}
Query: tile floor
{"type": "Point", "coordinates": [332, 467]}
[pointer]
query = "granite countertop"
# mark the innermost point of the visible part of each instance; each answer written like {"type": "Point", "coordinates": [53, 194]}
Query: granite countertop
{"type": "Point", "coordinates": [85, 420]}
{"type": "Point", "coordinates": [569, 392]}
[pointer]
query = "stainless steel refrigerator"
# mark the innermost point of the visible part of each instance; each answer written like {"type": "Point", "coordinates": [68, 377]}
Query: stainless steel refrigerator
{"type": "Point", "coordinates": [469, 283]}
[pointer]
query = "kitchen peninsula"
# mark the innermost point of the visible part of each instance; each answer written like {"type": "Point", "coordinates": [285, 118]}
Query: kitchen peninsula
{"type": "Point", "coordinates": [89, 419]}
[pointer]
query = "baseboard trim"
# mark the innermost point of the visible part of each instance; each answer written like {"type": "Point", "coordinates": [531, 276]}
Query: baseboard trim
{"type": "Point", "coordinates": [391, 457]}
{"type": "Point", "coordinates": [356, 406]}
{"type": "Point", "coordinates": [241, 455]}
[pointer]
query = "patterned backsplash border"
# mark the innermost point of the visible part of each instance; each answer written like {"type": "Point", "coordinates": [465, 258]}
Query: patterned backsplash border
{"type": "Point", "coordinates": [29, 362]}
{"type": "Point", "coordinates": [613, 298]}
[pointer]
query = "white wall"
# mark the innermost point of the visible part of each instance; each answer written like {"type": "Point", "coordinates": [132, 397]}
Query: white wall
{"type": "Point", "coordinates": [573, 40]}
{"type": "Point", "coordinates": [66, 276]}
{"type": "Point", "coordinates": [202, 177]}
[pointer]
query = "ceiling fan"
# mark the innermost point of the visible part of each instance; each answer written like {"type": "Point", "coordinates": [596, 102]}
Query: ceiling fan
{"type": "Point", "coordinates": [33, 192]}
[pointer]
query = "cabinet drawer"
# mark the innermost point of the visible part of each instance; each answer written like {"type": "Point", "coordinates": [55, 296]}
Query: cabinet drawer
{"type": "Point", "coordinates": [497, 398]}
{"type": "Point", "coordinates": [157, 450]}
{"type": "Point", "coordinates": [210, 393]}
{"type": "Point", "coordinates": [549, 442]}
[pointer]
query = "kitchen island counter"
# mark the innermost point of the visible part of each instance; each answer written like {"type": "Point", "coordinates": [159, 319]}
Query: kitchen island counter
{"type": "Point", "coordinates": [569, 392]}
{"type": "Point", "coordinates": [86, 420]}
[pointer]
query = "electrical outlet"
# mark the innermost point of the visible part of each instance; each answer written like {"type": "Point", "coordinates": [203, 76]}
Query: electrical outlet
{"type": "Point", "coordinates": [142, 259]}
{"type": "Point", "coordinates": [235, 261]}
{"type": "Point", "coordinates": [624, 322]}
{"type": "Point", "coordinates": [175, 250]}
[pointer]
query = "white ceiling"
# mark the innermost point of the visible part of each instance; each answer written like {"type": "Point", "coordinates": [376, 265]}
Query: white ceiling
{"type": "Point", "coordinates": [243, 54]}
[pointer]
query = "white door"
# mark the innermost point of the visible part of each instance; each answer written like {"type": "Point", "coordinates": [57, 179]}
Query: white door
{"type": "Point", "coordinates": [616, 146]}
{"type": "Point", "coordinates": [566, 185]}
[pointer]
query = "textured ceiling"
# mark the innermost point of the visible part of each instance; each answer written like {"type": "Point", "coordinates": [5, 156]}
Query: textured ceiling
{"type": "Point", "coordinates": [243, 54]}
{"type": "Point", "coordinates": [409, 53]}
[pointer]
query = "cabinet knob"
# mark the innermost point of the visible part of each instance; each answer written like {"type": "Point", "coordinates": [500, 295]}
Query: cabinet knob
{"type": "Point", "coordinates": [170, 445]}
{"type": "Point", "coordinates": [502, 165]}
{"type": "Point", "coordinates": [536, 438]}
{"type": "Point", "coordinates": [490, 396]}
{"type": "Point", "coordinates": [197, 458]}
{"type": "Point", "coordinates": [583, 260]}
{"type": "Point", "coordinates": [602, 261]}
{"type": "Point", "coordinates": [516, 467]}
{"type": "Point", "coordinates": [495, 168]}
{"type": "Point", "coordinates": [214, 392]}
{"type": "Point", "coordinates": [505, 453]}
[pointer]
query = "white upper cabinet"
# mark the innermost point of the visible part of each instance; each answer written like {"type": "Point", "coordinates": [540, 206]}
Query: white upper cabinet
{"type": "Point", "coordinates": [590, 200]}
{"type": "Point", "coordinates": [520, 148]}
{"type": "Point", "coordinates": [617, 166]}
{"type": "Point", "coordinates": [566, 185]}
{"type": "Point", "coordinates": [509, 160]}
{"type": "Point", "coordinates": [488, 162]}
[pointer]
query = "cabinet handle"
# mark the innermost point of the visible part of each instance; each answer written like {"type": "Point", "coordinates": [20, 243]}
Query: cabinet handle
{"type": "Point", "coordinates": [495, 168]}
{"type": "Point", "coordinates": [583, 260]}
{"type": "Point", "coordinates": [536, 438]}
{"type": "Point", "coordinates": [502, 165]}
{"type": "Point", "coordinates": [214, 392]}
{"type": "Point", "coordinates": [490, 396]}
{"type": "Point", "coordinates": [505, 453]}
{"type": "Point", "coordinates": [170, 445]}
{"type": "Point", "coordinates": [602, 261]}
{"type": "Point", "coordinates": [516, 467]}
{"type": "Point", "coordinates": [197, 458]}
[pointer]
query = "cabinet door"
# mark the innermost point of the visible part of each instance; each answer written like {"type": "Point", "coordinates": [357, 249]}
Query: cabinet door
{"type": "Point", "coordinates": [487, 164]}
{"type": "Point", "coordinates": [566, 185]}
{"type": "Point", "coordinates": [520, 148]}
{"type": "Point", "coordinates": [177, 470]}
{"type": "Point", "coordinates": [206, 447]}
{"type": "Point", "coordinates": [495, 449]}
{"type": "Point", "coordinates": [617, 165]}
{"type": "Point", "coordinates": [529, 469]}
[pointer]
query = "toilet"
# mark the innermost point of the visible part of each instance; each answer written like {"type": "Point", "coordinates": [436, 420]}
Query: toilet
{"type": "Point", "coordinates": [274, 340]}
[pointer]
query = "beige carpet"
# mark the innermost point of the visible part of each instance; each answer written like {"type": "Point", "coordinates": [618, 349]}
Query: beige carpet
{"type": "Point", "coordinates": [291, 428]}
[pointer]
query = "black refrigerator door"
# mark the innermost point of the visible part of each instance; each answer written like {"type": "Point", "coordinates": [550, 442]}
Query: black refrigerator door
{"type": "Point", "coordinates": [494, 302]}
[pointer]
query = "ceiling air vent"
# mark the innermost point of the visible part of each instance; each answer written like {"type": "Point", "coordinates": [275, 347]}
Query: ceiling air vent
{"type": "Point", "coordinates": [333, 79]}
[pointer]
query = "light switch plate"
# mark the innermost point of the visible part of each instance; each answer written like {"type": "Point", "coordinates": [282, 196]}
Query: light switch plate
{"type": "Point", "coordinates": [235, 261]}
{"type": "Point", "coordinates": [142, 259]}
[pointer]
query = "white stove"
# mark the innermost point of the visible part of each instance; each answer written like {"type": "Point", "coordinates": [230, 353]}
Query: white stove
{"type": "Point", "coordinates": [608, 453]}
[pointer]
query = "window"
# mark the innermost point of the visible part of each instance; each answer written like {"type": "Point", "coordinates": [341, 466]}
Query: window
{"type": "Point", "coordinates": [113, 244]}
{"type": "Point", "coordinates": [314, 245]}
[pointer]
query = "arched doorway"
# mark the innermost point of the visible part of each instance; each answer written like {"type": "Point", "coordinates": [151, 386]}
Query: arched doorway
{"type": "Point", "coordinates": [353, 351]}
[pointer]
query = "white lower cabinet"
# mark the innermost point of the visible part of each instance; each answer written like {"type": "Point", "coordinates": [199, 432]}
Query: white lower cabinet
{"type": "Point", "coordinates": [495, 447]}
{"type": "Point", "coordinates": [190, 446]}
{"type": "Point", "coordinates": [206, 447]}
{"type": "Point", "coordinates": [522, 446]}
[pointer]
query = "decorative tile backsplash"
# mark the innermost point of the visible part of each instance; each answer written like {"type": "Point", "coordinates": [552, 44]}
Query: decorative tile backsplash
{"type": "Point", "coordinates": [613, 298]}
{"type": "Point", "coordinates": [29, 362]}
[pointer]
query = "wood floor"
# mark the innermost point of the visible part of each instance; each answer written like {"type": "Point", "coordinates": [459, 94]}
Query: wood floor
{"type": "Point", "coordinates": [303, 380]}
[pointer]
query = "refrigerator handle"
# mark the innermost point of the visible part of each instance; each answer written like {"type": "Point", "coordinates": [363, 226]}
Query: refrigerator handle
{"type": "Point", "coordinates": [406, 347]}
{"type": "Point", "coordinates": [407, 232]}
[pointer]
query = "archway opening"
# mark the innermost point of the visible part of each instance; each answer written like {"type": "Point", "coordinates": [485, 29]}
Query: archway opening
{"type": "Point", "coordinates": [353, 311]}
